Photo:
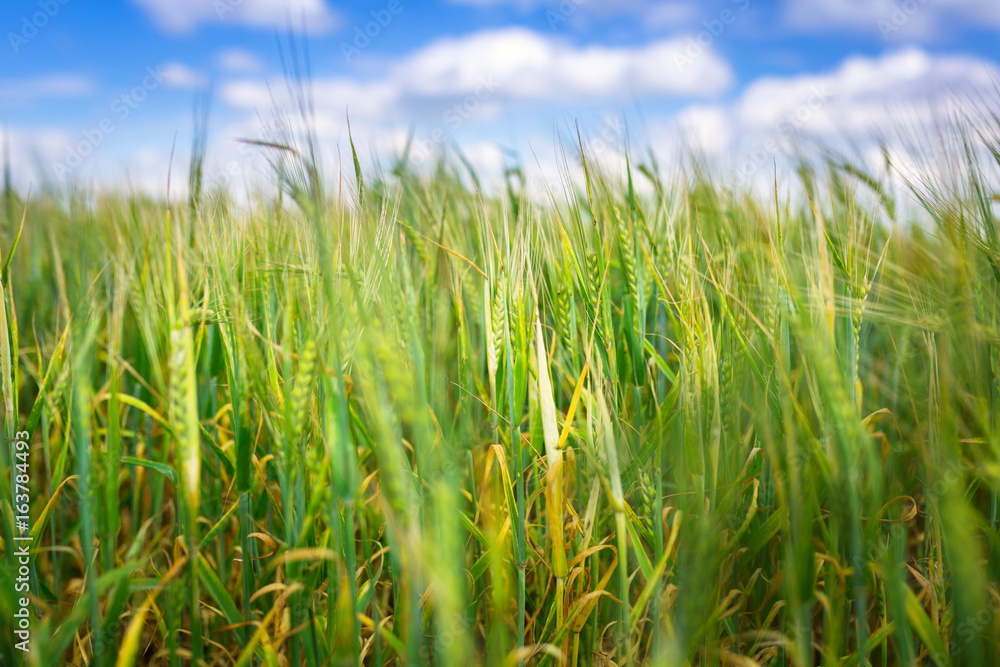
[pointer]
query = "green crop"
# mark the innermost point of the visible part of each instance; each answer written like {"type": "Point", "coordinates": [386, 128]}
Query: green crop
{"type": "Point", "coordinates": [429, 424]}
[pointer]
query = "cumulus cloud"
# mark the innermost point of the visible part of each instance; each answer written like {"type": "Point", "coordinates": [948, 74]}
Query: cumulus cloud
{"type": "Point", "coordinates": [452, 92]}
{"type": "Point", "coordinates": [17, 92]}
{"type": "Point", "coordinates": [672, 10]}
{"type": "Point", "coordinates": [177, 75]}
{"type": "Point", "coordinates": [332, 96]}
{"type": "Point", "coordinates": [462, 86]}
{"type": "Point", "coordinates": [483, 72]}
{"type": "Point", "coordinates": [893, 19]}
{"type": "Point", "coordinates": [529, 65]}
{"type": "Point", "coordinates": [30, 146]}
{"type": "Point", "coordinates": [183, 16]}
{"type": "Point", "coordinates": [708, 128]}
{"type": "Point", "coordinates": [862, 102]}
{"type": "Point", "coordinates": [238, 60]}
{"type": "Point", "coordinates": [666, 14]}
{"type": "Point", "coordinates": [863, 93]}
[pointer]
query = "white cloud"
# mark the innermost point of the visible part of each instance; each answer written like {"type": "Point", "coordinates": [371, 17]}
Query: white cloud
{"type": "Point", "coordinates": [675, 9]}
{"type": "Point", "coordinates": [862, 93]}
{"type": "Point", "coordinates": [481, 74]}
{"type": "Point", "coordinates": [486, 157]}
{"type": "Point", "coordinates": [458, 90]}
{"type": "Point", "coordinates": [861, 98]}
{"type": "Point", "coordinates": [666, 14]}
{"type": "Point", "coordinates": [15, 92]}
{"type": "Point", "coordinates": [35, 145]}
{"type": "Point", "coordinates": [238, 60]}
{"type": "Point", "coordinates": [332, 97]}
{"type": "Point", "coordinates": [893, 19]}
{"type": "Point", "coordinates": [864, 101]}
{"type": "Point", "coordinates": [532, 66]}
{"type": "Point", "coordinates": [856, 99]}
{"type": "Point", "coordinates": [705, 127]}
{"type": "Point", "coordinates": [177, 75]}
{"type": "Point", "coordinates": [183, 16]}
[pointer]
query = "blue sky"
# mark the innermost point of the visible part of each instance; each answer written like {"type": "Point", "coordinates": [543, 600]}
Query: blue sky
{"type": "Point", "coordinates": [98, 92]}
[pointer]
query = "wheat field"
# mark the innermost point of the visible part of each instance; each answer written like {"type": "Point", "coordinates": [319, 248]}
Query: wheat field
{"type": "Point", "coordinates": [652, 418]}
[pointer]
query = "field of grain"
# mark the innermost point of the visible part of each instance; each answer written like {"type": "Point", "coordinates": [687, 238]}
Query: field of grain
{"type": "Point", "coordinates": [653, 418]}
